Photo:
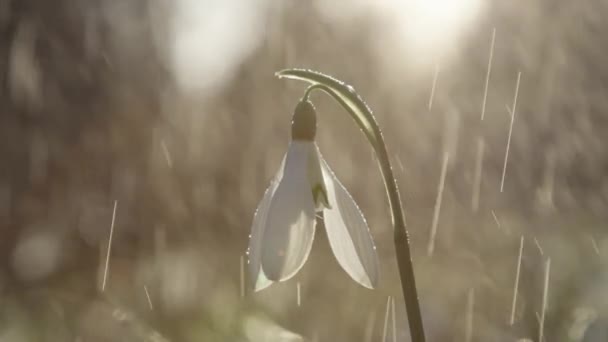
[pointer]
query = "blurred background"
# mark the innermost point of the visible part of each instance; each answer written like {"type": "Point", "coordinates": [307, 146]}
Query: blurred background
{"type": "Point", "coordinates": [165, 118]}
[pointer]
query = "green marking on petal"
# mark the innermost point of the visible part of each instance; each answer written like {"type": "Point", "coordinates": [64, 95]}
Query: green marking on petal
{"type": "Point", "coordinates": [319, 190]}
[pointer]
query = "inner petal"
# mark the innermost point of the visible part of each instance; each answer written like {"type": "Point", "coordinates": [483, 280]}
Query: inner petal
{"type": "Point", "coordinates": [317, 180]}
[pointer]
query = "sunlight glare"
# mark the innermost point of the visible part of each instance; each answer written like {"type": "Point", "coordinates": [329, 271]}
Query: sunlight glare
{"type": "Point", "coordinates": [432, 27]}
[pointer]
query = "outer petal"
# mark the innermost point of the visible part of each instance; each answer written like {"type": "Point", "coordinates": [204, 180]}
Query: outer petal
{"type": "Point", "coordinates": [290, 221]}
{"type": "Point", "coordinates": [348, 232]}
{"type": "Point", "coordinates": [260, 281]}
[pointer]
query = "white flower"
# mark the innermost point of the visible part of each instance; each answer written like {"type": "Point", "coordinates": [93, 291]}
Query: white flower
{"type": "Point", "coordinates": [283, 227]}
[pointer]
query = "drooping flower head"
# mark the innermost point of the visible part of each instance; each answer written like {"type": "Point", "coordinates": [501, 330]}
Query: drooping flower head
{"type": "Point", "coordinates": [283, 226]}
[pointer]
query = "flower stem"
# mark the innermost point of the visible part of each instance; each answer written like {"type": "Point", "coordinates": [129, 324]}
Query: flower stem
{"type": "Point", "coordinates": [363, 116]}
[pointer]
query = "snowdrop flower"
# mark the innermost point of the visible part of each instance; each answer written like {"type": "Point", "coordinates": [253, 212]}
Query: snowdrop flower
{"type": "Point", "coordinates": [283, 227]}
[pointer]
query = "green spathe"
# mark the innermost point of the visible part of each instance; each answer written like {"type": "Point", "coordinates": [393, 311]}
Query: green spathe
{"type": "Point", "coordinates": [304, 122]}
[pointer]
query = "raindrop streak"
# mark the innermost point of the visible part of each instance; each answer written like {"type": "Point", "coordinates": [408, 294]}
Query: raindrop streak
{"type": "Point", "coordinates": [477, 178]}
{"type": "Point", "coordinates": [433, 86]}
{"type": "Point", "coordinates": [540, 249]}
{"type": "Point", "coordinates": [386, 318]}
{"type": "Point", "coordinates": [537, 315]}
{"type": "Point", "coordinates": [541, 326]}
{"type": "Point", "coordinates": [105, 272]}
{"type": "Point", "coordinates": [369, 326]}
{"type": "Point", "coordinates": [549, 180]}
{"type": "Point", "coordinates": [469, 318]}
{"type": "Point", "coordinates": [485, 92]}
{"type": "Point", "coordinates": [393, 321]}
{"type": "Point", "coordinates": [148, 297]}
{"type": "Point", "coordinates": [514, 303]}
{"type": "Point", "coordinates": [242, 276]}
{"type": "Point", "coordinates": [496, 220]}
{"type": "Point", "coordinates": [444, 168]}
{"type": "Point", "coordinates": [594, 244]}
{"type": "Point", "coordinates": [166, 153]}
{"type": "Point", "coordinates": [298, 294]}
{"type": "Point", "coordinates": [504, 168]}
{"type": "Point", "coordinates": [400, 163]}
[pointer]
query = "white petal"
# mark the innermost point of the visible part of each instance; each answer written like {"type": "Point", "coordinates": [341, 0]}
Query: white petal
{"type": "Point", "coordinates": [258, 277]}
{"type": "Point", "coordinates": [290, 222]}
{"type": "Point", "coordinates": [348, 233]}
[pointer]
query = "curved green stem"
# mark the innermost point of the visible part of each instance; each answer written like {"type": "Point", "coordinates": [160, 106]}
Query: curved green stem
{"type": "Point", "coordinates": [360, 112]}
